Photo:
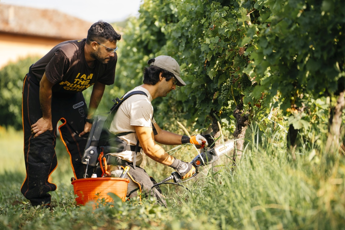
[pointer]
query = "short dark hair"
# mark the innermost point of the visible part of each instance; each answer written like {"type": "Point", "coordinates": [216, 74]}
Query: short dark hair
{"type": "Point", "coordinates": [101, 32]}
{"type": "Point", "coordinates": [151, 74]}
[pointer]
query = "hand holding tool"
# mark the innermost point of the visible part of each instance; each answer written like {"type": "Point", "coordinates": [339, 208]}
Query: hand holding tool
{"type": "Point", "coordinates": [208, 156]}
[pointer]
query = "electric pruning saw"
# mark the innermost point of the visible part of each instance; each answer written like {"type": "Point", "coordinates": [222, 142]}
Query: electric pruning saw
{"type": "Point", "coordinates": [207, 156]}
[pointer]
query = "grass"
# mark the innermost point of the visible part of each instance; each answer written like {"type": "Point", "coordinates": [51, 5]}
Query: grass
{"type": "Point", "coordinates": [12, 156]}
{"type": "Point", "coordinates": [267, 190]}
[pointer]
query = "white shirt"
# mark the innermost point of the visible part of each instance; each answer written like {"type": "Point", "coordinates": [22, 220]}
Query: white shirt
{"type": "Point", "coordinates": [137, 110]}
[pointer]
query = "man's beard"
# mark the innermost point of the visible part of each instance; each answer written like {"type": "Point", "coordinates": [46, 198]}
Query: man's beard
{"type": "Point", "coordinates": [101, 60]}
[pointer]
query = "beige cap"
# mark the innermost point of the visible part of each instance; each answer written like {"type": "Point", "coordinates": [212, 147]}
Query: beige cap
{"type": "Point", "coordinates": [170, 64]}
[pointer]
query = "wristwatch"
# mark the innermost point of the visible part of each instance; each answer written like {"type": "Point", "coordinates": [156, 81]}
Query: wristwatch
{"type": "Point", "coordinates": [89, 120]}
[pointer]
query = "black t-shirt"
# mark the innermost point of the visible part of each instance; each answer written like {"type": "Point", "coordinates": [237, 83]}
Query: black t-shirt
{"type": "Point", "coordinates": [65, 66]}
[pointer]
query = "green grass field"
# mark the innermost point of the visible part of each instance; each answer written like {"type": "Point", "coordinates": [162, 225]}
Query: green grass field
{"type": "Point", "coordinates": [267, 190]}
{"type": "Point", "coordinates": [11, 145]}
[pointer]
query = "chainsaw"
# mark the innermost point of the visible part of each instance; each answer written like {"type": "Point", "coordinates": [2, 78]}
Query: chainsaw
{"type": "Point", "coordinates": [207, 156]}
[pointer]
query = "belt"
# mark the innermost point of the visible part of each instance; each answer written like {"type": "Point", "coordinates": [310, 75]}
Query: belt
{"type": "Point", "coordinates": [111, 149]}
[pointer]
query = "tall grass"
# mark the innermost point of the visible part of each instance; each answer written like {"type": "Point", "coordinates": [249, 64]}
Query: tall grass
{"type": "Point", "coordinates": [266, 190]}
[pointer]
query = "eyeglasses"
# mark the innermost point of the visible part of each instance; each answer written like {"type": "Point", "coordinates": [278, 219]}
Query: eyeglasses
{"type": "Point", "coordinates": [174, 81]}
{"type": "Point", "coordinates": [109, 50]}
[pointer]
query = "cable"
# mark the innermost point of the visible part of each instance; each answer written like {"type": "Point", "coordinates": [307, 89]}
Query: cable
{"type": "Point", "coordinates": [170, 183]}
{"type": "Point", "coordinates": [175, 183]}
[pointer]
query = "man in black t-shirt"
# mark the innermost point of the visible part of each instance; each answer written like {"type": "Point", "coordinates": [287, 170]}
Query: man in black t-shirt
{"type": "Point", "coordinates": [52, 91]}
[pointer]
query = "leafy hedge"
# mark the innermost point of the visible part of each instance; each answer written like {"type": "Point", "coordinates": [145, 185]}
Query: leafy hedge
{"type": "Point", "coordinates": [11, 84]}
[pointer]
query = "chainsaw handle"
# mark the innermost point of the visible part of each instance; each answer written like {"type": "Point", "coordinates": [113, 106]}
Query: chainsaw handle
{"type": "Point", "coordinates": [177, 178]}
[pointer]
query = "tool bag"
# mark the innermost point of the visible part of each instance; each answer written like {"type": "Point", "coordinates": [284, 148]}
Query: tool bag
{"type": "Point", "coordinates": [102, 141]}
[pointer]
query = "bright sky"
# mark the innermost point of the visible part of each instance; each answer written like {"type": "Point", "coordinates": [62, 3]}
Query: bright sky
{"type": "Point", "coordinates": [89, 10]}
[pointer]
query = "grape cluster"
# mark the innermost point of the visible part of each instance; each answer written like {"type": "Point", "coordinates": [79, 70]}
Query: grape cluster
{"type": "Point", "coordinates": [225, 90]}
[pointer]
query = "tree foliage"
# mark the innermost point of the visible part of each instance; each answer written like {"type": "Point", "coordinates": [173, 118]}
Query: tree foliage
{"type": "Point", "coordinates": [11, 84]}
{"type": "Point", "coordinates": [300, 49]}
{"type": "Point", "coordinates": [268, 53]}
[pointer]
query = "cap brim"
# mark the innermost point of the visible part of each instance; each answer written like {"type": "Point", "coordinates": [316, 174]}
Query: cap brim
{"type": "Point", "coordinates": [180, 82]}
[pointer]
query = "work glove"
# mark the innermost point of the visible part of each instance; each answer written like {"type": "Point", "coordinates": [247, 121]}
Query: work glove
{"type": "Point", "coordinates": [184, 169]}
{"type": "Point", "coordinates": [197, 140]}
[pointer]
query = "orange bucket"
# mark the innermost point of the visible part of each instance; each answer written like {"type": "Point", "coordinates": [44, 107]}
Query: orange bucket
{"type": "Point", "coordinates": [92, 189]}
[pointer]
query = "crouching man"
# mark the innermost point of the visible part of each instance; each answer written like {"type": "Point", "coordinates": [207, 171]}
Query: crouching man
{"type": "Point", "coordinates": [134, 124]}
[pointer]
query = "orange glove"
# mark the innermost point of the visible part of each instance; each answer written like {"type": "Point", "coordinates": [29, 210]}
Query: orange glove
{"type": "Point", "coordinates": [196, 140]}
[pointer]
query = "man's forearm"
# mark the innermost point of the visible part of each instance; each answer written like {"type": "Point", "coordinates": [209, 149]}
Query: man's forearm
{"type": "Point", "coordinates": [96, 96]}
{"type": "Point", "coordinates": [158, 154]}
{"type": "Point", "coordinates": [165, 137]}
{"type": "Point", "coordinates": [45, 96]}
{"type": "Point", "coordinates": [168, 138]}
{"type": "Point", "coordinates": [44, 123]}
{"type": "Point", "coordinates": [152, 149]}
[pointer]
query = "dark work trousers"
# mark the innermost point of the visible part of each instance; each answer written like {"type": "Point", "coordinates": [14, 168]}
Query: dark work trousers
{"type": "Point", "coordinates": [139, 175]}
{"type": "Point", "coordinates": [39, 152]}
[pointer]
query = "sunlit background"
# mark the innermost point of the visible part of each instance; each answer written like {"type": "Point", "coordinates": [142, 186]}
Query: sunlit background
{"type": "Point", "coordinates": [30, 28]}
{"type": "Point", "coordinates": [89, 10]}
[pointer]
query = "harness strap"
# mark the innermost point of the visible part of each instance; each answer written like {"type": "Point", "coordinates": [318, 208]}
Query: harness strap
{"type": "Point", "coordinates": [111, 149]}
{"type": "Point", "coordinates": [154, 129]}
{"type": "Point", "coordinates": [117, 104]}
{"type": "Point", "coordinates": [134, 148]}
{"type": "Point", "coordinates": [135, 154]}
